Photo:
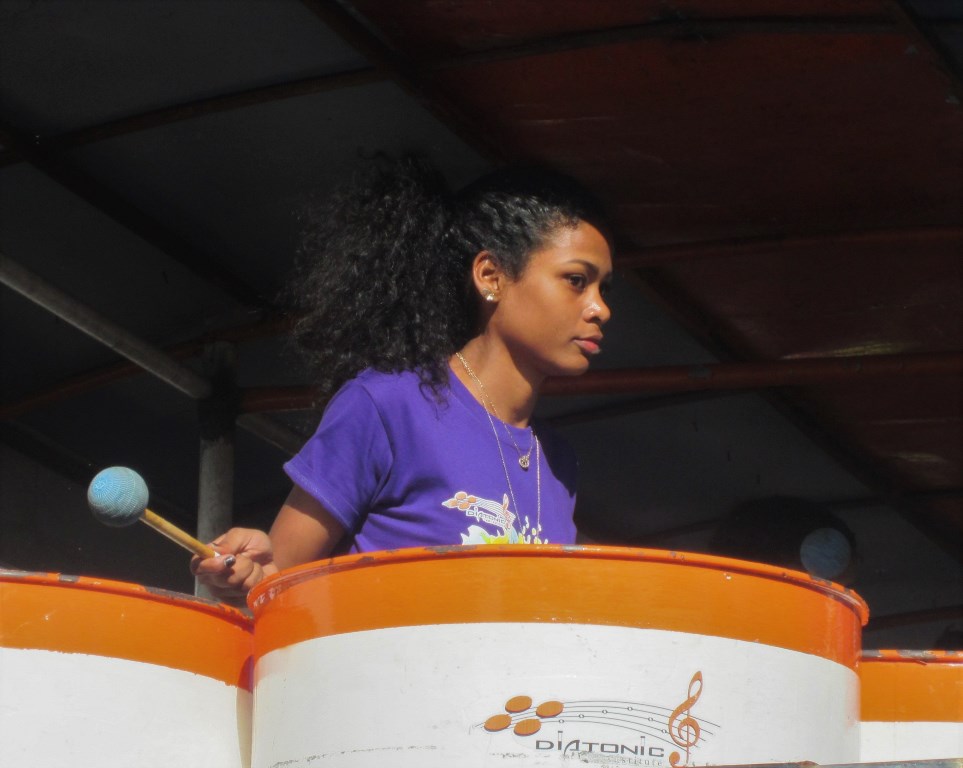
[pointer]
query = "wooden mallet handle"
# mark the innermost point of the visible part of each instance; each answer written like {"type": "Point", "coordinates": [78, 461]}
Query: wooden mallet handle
{"type": "Point", "coordinates": [178, 536]}
{"type": "Point", "coordinates": [118, 497]}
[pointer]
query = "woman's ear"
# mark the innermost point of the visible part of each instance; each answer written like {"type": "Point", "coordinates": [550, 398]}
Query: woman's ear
{"type": "Point", "coordinates": [487, 277]}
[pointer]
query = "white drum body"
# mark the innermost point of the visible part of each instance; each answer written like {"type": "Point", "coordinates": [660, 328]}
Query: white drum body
{"type": "Point", "coordinates": [912, 705]}
{"type": "Point", "coordinates": [550, 656]}
{"type": "Point", "coordinates": [101, 673]}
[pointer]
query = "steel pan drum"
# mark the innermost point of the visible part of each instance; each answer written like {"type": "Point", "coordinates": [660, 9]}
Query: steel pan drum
{"type": "Point", "coordinates": [912, 705]}
{"type": "Point", "coordinates": [549, 656]}
{"type": "Point", "coordinates": [113, 675]}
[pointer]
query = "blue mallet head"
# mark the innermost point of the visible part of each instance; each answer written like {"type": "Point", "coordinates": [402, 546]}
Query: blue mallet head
{"type": "Point", "coordinates": [117, 496]}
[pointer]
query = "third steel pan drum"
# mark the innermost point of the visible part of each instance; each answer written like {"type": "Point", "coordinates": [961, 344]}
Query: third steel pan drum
{"type": "Point", "coordinates": [912, 705]}
{"type": "Point", "coordinates": [549, 656]}
{"type": "Point", "coordinates": [114, 675]}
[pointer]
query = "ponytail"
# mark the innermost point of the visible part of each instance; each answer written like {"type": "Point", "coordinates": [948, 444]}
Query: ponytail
{"type": "Point", "coordinates": [371, 288]}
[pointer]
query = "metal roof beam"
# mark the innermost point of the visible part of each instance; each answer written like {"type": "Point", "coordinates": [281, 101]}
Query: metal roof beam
{"type": "Point", "coordinates": [190, 110]}
{"type": "Point", "coordinates": [688, 378]}
{"type": "Point", "coordinates": [659, 538]}
{"type": "Point", "coordinates": [389, 65]}
{"type": "Point", "coordinates": [920, 31]}
{"type": "Point", "coordinates": [404, 74]}
{"type": "Point", "coordinates": [99, 328]}
{"type": "Point", "coordinates": [100, 377]}
{"type": "Point", "coordinates": [645, 257]}
{"type": "Point", "coordinates": [127, 215]}
{"type": "Point", "coordinates": [129, 346]}
{"type": "Point", "coordinates": [757, 375]}
{"type": "Point", "coordinates": [688, 383]}
{"type": "Point", "coordinates": [694, 29]}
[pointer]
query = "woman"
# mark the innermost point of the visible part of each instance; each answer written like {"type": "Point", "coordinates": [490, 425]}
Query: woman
{"type": "Point", "coordinates": [435, 319]}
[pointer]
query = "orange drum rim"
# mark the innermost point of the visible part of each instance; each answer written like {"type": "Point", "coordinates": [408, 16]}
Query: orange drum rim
{"type": "Point", "coordinates": [215, 640]}
{"type": "Point", "coordinates": [125, 589]}
{"type": "Point", "coordinates": [894, 655]}
{"type": "Point", "coordinates": [274, 585]}
{"type": "Point", "coordinates": [911, 686]}
{"type": "Point", "coordinates": [559, 584]}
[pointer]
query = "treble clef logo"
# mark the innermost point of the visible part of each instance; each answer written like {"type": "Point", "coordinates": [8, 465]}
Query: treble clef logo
{"type": "Point", "coordinates": [685, 731]}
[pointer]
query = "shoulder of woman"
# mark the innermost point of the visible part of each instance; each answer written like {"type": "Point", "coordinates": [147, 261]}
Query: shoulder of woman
{"type": "Point", "coordinates": [385, 389]}
{"type": "Point", "coordinates": [385, 383]}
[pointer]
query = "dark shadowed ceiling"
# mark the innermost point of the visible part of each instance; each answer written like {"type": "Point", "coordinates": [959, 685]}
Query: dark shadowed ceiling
{"type": "Point", "coordinates": [786, 180]}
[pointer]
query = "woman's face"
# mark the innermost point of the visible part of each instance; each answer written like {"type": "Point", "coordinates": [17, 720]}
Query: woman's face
{"type": "Point", "coordinates": [550, 318]}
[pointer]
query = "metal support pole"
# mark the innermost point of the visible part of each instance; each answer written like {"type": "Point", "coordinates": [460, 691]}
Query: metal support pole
{"type": "Point", "coordinates": [216, 414]}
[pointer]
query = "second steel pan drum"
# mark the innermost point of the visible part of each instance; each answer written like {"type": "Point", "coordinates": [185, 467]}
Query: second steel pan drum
{"type": "Point", "coordinates": [549, 656]}
{"type": "Point", "coordinates": [114, 675]}
{"type": "Point", "coordinates": [912, 705]}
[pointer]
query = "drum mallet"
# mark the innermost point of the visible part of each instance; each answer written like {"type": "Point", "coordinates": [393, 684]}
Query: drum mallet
{"type": "Point", "coordinates": [118, 497]}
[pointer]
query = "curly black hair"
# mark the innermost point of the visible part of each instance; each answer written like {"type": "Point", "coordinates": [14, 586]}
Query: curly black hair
{"type": "Point", "coordinates": [382, 278]}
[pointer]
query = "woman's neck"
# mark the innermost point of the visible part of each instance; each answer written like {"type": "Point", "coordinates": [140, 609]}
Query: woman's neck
{"type": "Point", "coordinates": [512, 392]}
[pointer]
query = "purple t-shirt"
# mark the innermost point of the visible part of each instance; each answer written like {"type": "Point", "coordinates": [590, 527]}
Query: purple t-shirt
{"type": "Point", "coordinates": [398, 469]}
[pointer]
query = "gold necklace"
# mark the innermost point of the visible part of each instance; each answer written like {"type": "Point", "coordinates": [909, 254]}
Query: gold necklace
{"type": "Point", "coordinates": [524, 459]}
{"type": "Point", "coordinates": [498, 444]}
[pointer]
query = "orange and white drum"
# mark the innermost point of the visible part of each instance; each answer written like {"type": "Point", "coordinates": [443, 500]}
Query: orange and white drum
{"type": "Point", "coordinates": [113, 675]}
{"type": "Point", "coordinates": [550, 655]}
{"type": "Point", "coordinates": [912, 705]}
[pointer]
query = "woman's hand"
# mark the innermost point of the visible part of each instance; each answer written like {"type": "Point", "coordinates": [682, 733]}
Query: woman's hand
{"type": "Point", "coordinates": [303, 531]}
{"type": "Point", "coordinates": [254, 555]}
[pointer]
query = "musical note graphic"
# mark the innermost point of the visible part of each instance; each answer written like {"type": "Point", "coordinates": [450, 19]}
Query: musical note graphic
{"type": "Point", "coordinates": [608, 725]}
{"type": "Point", "coordinates": [685, 732]}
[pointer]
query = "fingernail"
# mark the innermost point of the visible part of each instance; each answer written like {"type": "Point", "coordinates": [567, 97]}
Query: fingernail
{"type": "Point", "coordinates": [229, 561]}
